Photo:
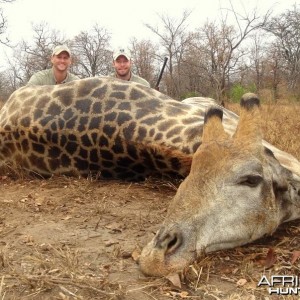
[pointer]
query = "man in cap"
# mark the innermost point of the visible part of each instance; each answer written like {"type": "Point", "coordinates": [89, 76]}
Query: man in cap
{"type": "Point", "coordinates": [61, 61]}
{"type": "Point", "coordinates": [122, 63]}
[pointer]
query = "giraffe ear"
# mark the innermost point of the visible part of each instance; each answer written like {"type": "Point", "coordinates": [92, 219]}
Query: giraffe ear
{"type": "Point", "coordinates": [213, 128]}
{"type": "Point", "coordinates": [249, 131]}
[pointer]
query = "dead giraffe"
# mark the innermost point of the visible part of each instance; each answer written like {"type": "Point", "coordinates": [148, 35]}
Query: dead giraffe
{"type": "Point", "coordinates": [236, 192]}
{"type": "Point", "coordinates": [126, 130]}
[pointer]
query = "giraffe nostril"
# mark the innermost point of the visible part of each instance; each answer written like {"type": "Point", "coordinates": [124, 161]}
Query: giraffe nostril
{"type": "Point", "coordinates": [174, 241]}
{"type": "Point", "coordinates": [169, 239]}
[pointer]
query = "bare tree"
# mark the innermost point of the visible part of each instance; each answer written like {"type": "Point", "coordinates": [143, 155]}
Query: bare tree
{"type": "Point", "coordinates": [7, 85]}
{"type": "Point", "coordinates": [39, 50]}
{"type": "Point", "coordinates": [274, 69]}
{"type": "Point", "coordinates": [3, 23]}
{"type": "Point", "coordinates": [286, 29]}
{"type": "Point", "coordinates": [30, 57]}
{"type": "Point", "coordinates": [258, 60]}
{"type": "Point", "coordinates": [144, 59]}
{"type": "Point", "coordinates": [194, 71]}
{"type": "Point", "coordinates": [91, 49]}
{"type": "Point", "coordinates": [223, 46]}
{"type": "Point", "coordinates": [174, 38]}
{"type": "Point", "coordinates": [265, 63]}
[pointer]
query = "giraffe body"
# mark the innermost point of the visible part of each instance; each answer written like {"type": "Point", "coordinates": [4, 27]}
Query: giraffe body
{"type": "Point", "coordinates": [99, 125]}
{"type": "Point", "coordinates": [107, 126]}
{"type": "Point", "coordinates": [237, 187]}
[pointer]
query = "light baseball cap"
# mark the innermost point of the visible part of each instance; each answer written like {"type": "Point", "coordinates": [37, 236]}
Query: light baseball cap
{"type": "Point", "coordinates": [121, 51]}
{"type": "Point", "coordinates": [61, 48]}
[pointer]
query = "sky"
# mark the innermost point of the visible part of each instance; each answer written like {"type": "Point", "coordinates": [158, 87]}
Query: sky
{"type": "Point", "coordinates": [122, 19]}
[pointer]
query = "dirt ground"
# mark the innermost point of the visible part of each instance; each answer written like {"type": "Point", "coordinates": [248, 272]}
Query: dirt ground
{"type": "Point", "coordinates": [69, 238]}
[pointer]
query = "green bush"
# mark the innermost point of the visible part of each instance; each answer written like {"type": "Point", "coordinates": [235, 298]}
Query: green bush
{"type": "Point", "coordinates": [189, 95]}
{"type": "Point", "coordinates": [237, 91]}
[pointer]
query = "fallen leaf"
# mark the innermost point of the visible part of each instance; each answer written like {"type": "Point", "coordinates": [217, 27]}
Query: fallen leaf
{"type": "Point", "coordinates": [295, 256]}
{"type": "Point", "coordinates": [39, 201]}
{"type": "Point", "coordinates": [270, 258]}
{"type": "Point", "coordinates": [110, 243]}
{"type": "Point", "coordinates": [241, 282]}
{"type": "Point", "coordinates": [175, 280]}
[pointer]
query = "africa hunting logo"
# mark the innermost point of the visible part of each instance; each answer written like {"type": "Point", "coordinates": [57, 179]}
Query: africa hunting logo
{"type": "Point", "coordinates": [281, 284]}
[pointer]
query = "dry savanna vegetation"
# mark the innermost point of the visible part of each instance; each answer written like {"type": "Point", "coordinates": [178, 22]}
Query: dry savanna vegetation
{"type": "Point", "coordinates": [75, 238]}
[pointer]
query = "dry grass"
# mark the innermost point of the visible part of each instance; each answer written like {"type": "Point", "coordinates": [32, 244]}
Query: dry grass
{"type": "Point", "coordinates": [281, 126]}
{"type": "Point", "coordinates": [58, 271]}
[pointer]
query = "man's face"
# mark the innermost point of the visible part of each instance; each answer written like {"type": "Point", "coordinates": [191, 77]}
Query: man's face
{"type": "Point", "coordinates": [62, 61]}
{"type": "Point", "coordinates": [122, 65]}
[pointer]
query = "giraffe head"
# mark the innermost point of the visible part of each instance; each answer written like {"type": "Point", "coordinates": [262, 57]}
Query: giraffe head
{"type": "Point", "coordinates": [236, 192]}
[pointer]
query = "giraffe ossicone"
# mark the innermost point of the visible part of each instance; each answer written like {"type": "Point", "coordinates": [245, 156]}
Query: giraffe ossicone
{"type": "Point", "coordinates": [233, 179]}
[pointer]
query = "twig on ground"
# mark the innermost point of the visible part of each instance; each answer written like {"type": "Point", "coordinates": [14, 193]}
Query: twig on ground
{"type": "Point", "coordinates": [1, 286]}
{"type": "Point", "coordinates": [66, 291]}
{"type": "Point", "coordinates": [60, 281]}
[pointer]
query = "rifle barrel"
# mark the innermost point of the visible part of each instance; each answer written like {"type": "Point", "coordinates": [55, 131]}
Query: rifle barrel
{"type": "Point", "coordinates": [161, 72]}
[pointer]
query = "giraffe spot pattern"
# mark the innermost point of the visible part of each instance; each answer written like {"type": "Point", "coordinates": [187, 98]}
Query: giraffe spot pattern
{"type": "Point", "coordinates": [117, 128]}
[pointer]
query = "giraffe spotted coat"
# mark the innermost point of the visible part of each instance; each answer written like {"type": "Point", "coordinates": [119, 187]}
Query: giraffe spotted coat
{"type": "Point", "coordinates": [102, 126]}
{"type": "Point", "coordinates": [119, 129]}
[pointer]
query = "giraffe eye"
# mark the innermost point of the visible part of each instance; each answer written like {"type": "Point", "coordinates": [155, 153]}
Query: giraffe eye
{"type": "Point", "coordinates": [251, 180]}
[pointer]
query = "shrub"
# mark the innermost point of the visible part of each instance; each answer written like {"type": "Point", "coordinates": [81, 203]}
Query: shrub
{"type": "Point", "coordinates": [189, 95]}
{"type": "Point", "coordinates": [237, 91]}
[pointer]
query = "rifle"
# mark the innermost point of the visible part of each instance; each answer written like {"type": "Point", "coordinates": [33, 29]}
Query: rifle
{"type": "Point", "coordinates": [160, 74]}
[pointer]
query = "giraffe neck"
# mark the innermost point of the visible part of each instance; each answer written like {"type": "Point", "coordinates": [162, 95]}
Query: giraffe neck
{"type": "Point", "coordinates": [286, 188]}
{"type": "Point", "coordinates": [290, 200]}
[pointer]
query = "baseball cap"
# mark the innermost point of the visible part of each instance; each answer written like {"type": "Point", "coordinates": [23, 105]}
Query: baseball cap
{"type": "Point", "coordinates": [61, 48]}
{"type": "Point", "coordinates": [121, 51]}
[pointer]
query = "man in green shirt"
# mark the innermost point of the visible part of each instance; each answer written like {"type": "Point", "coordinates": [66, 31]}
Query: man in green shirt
{"type": "Point", "coordinates": [61, 61]}
{"type": "Point", "coordinates": [122, 63]}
